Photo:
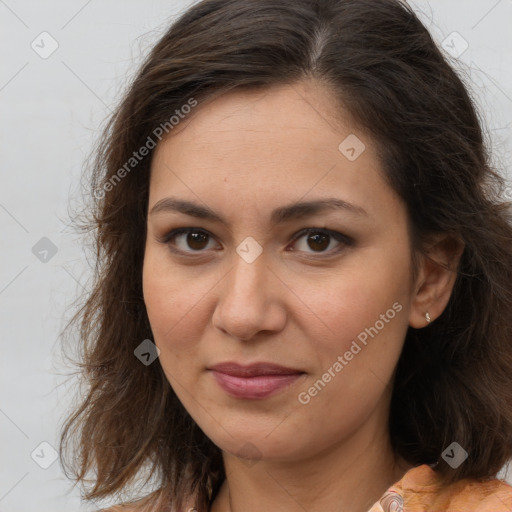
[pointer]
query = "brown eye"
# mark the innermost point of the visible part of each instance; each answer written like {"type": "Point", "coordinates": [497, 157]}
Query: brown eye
{"type": "Point", "coordinates": [313, 240]}
{"type": "Point", "coordinates": [196, 240]}
{"type": "Point", "coordinates": [318, 241]}
{"type": "Point", "coordinates": [187, 240]}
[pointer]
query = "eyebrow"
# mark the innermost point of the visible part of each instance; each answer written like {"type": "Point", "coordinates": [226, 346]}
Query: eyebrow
{"type": "Point", "coordinates": [279, 215]}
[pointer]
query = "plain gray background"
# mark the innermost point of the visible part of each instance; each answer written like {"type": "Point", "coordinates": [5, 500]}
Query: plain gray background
{"type": "Point", "coordinates": [51, 111]}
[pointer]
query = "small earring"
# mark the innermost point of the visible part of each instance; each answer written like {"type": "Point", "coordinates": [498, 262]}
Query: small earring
{"type": "Point", "coordinates": [427, 316]}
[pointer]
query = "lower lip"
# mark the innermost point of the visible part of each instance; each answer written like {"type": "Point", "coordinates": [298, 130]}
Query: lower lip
{"type": "Point", "coordinates": [254, 388]}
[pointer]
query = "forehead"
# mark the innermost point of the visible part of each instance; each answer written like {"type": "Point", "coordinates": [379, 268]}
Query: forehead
{"type": "Point", "coordinates": [273, 145]}
{"type": "Point", "coordinates": [299, 116]}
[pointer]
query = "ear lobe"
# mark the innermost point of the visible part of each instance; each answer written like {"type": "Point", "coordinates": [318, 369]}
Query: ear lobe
{"type": "Point", "coordinates": [436, 278]}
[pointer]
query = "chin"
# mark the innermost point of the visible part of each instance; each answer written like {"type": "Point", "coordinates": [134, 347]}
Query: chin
{"type": "Point", "coordinates": [256, 442]}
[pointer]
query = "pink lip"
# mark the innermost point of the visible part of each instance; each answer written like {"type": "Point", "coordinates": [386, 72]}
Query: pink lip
{"type": "Point", "coordinates": [254, 381]}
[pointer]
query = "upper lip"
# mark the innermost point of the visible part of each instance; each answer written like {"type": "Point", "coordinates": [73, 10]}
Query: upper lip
{"type": "Point", "coordinates": [253, 370]}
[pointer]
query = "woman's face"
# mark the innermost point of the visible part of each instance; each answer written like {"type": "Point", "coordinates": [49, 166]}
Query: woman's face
{"type": "Point", "coordinates": [246, 285]}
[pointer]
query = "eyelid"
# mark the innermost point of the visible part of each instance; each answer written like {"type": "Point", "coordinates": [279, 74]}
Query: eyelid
{"type": "Point", "coordinates": [339, 237]}
{"type": "Point", "coordinates": [168, 237]}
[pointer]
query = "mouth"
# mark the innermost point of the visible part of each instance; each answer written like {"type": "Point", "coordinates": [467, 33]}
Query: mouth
{"type": "Point", "coordinates": [255, 381]}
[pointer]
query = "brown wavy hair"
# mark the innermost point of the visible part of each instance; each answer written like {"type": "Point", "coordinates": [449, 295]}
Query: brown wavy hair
{"type": "Point", "coordinates": [453, 379]}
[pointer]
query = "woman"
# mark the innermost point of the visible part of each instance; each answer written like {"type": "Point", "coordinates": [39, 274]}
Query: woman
{"type": "Point", "coordinates": [304, 280]}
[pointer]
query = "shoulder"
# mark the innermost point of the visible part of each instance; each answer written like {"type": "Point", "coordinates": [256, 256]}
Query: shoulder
{"type": "Point", "coordinates": [422, 489]}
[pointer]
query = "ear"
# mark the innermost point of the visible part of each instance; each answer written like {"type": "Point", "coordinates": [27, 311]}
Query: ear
{"type": "Point", "coordinates": [436, 278]}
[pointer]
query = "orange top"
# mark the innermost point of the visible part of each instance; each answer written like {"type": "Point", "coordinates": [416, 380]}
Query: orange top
{"type": "Point", "coordinates": [421, 490]}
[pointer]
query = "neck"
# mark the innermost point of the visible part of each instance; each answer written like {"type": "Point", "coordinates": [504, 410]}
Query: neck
{"type": "Point", "coordinates": [350, 476]}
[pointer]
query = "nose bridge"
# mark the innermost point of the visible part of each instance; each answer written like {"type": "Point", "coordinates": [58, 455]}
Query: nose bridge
{"type": "Point", "coordinates": [248, 278]}
{"type": "Point", "coordinates": [246, 305]}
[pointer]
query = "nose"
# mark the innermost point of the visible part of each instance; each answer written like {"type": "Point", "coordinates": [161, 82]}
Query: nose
{"type": "Point", "coordinates": [250, 300]}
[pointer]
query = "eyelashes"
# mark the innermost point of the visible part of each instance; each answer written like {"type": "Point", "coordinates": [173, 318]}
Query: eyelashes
{"type": "Point", "coordinates": [170, 237]}
{"type": "Point", "coordinates": [319, 235]}
{"type": "Point", "coordinates": [197, 241]}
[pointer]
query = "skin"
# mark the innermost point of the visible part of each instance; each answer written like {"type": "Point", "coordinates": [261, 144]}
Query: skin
{"type": "Point", "coordinates": [243, 155]}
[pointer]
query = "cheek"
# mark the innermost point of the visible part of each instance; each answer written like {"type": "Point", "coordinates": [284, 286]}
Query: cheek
{"type": "Point", "coordinates": [355, 358]}
{"type": "Point", "coordinates": [364, 298]}
{"type": "Point", "coordinates": [357, 332]}
{"type": "Point", "coordinates": [174, 303]}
